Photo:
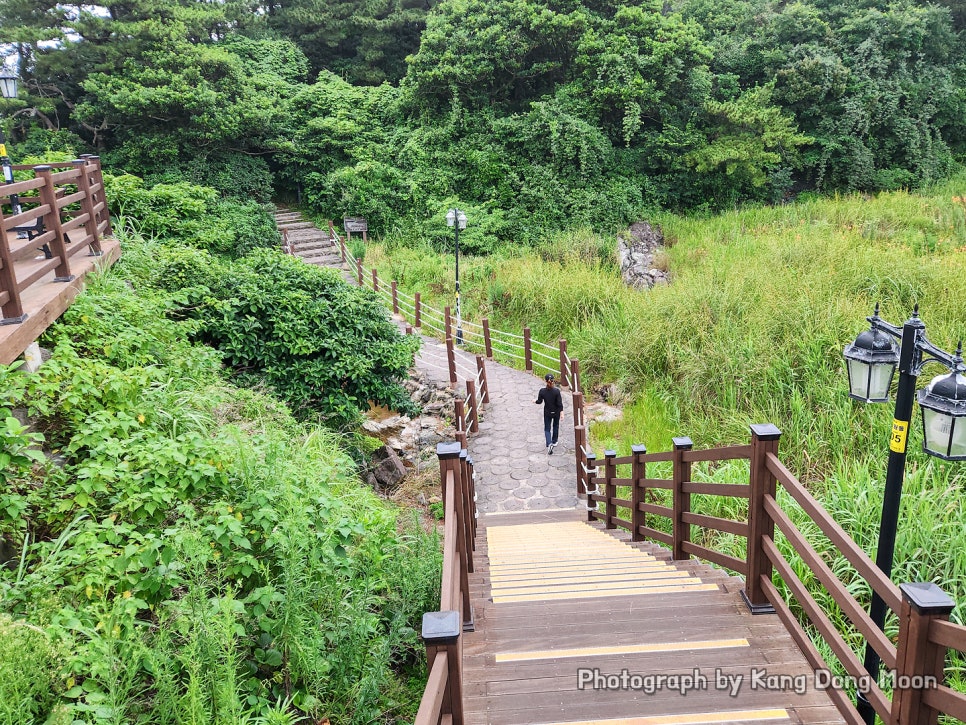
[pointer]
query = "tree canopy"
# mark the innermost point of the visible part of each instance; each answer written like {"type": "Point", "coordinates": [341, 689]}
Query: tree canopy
{"type": "Point", "coordinates": [535, 113]}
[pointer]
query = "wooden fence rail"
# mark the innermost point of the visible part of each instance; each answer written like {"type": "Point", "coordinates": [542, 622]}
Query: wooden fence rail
{"type": "Point", "coordinates": [61, 214]}
{"type": "Point", "coordinates": [442, 631]}
{"type": "Point", "coordinates": [916, 663]}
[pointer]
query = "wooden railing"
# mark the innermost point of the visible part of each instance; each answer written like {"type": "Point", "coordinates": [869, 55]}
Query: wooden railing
{"type": "Point", "coordinates": [442, 631]}
{"type": "Point", "coordinates": [519, 349]}
{"type": "Point", "coordinates": [925, 634]}
{"type": "Point", "coordinates": [62, 213]}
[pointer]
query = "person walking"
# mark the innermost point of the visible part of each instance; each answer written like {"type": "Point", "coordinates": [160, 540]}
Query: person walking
{"type": "Point", "coordinates": [552, 410]}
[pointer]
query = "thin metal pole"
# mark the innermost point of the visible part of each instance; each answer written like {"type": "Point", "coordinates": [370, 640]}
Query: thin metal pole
{"type": "Point", "coordinates": [908, 374]}
{"type": "Point", "coordinates": [459, 319]}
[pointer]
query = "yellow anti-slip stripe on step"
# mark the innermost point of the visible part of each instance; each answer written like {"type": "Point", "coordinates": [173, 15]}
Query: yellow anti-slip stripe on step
{"type": "Point", "coordinates": [577, 575]}
{"type": "Point", "coordinates": [578, 583]}
{"type": "Point", "coordinates": [581, 585]}
{"type": "Point", "coordinates": [599, 566]}
{"type": "Point", "coordinates": [550, 654]}
{"type": "Point", "coordinates": [697, 718]}
{"type": "Point", "coordinates": [604, 592]}
{"type": "Point", "coordinates": [566, 556]}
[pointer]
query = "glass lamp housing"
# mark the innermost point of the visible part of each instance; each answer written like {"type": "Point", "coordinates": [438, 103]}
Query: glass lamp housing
{"type": "Point", "coordinates": [943, 404]}
{"type": "Point", "coordinates": [8, 84]}
{"type": "Point", "coordinates": [871, 363]}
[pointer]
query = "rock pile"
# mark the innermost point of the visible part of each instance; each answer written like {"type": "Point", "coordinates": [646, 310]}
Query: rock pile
{"type": "Point", "coordinates": [411, 440]}
{"type": "Point", "coordinates": [637, 249]}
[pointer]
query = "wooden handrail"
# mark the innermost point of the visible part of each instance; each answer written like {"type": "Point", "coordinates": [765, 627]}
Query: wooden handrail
{"type": "Point", "coordinates": [852, 609]}
{"type": "Point", "coordinates": [947, 634]}
{"type": "Point", "coordinates": [47, 228]}
{"type": "Point", "coordinates": [836, 534]}
{"type": "Point", "coordinates": [431, 706]}
{"type": "Point", "coordinates": [924, 635]}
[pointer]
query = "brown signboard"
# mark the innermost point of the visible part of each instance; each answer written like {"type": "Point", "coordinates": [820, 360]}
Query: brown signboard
{"type": "Point", "coordinates": [355, 224]}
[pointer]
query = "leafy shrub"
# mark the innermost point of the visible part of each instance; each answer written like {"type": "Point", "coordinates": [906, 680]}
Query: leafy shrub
{"type": "Point", "coordinates": [190, 215]}
{"type": "Point", "coordinates": [327, 348]}
{"type": "Point", "coordinates": [192, 553]}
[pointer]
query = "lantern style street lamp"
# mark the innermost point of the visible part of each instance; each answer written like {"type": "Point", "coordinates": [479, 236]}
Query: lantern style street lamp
{"type": "Point", "coordinates": [457, 219]}
{"type": "Point", "coordinates": [9, 83]}
{"type": "Point", "coordinates": [871, 362]}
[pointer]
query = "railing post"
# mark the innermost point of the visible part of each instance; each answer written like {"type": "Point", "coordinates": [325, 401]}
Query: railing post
{"type": "Point", "coordinates": [918, 661]}
{"type": "Point", "coordinates": [484, 386]}
{"type": "Point", "coordinates": [527, 355]}
{"type": "Point", "coordinates": [451, 360]}
{"type": "Point", "coordinates": [13, 313]}
{"type": "Point", "coordinates": [375, 280]}
{"type": "Point", "coordinates": [87, 206]}
{"type": "Point", "coordinates": [338, 238]}
{"type": "Point", "coordinates": [591, 473]}
{"type": "Point", "coordinates": [487, 342]}
{"type": "Point", "coordinates": [409, 329]}
{"type": "Point", "coordinates": [359, 271]}
{"type": "Point", "coordinates": [99, 181]}
{"type": "Point", "coordinates": [460, 413]}
{"type": "Point", "coordinates": [451, 460]}
{"type": "Point", "coordinates": [610, 489]}
{"type": "Point", "coordinates": [579, 442]}
{"type": "Point", "coordinates": [467, 503]}
{"type": "Point", "coordinates": [447, 323]}
{"type": "Point", "coordinates": [764, 440]}
{"type": "Point", "coordinates": [395, 299]}
{"type": "Point", "coordinates": [638, 474]}
{"type": "Point", "coordinates": [472, 481]}
{"type": "Point", "coordinates": [681, 530]}
{"type": "Point", "coordinates": [417, 323]}
{"type": "Point", "coordinates": [474, 407]}
{"type": "Point", "coordinates": [578, 401]}
{"type": "Point", "coordinates": [563, 362]}
{"type": "Point", "coordinates": [575, 376]}
{"type": "Point", "coordinates": [48, 197]}
{"type": "Point", "coordinates": [441, 634]}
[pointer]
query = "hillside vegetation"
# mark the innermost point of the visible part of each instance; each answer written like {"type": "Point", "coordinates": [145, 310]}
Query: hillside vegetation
{"type": "Point", "coordinates": [180, 545]}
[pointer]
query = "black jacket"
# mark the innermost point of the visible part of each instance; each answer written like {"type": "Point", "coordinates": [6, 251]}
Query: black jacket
{"type": "Point", "coordinates": [551, 399]}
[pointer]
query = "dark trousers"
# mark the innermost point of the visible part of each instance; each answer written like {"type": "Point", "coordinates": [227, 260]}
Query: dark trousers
{"type": "Point", "coordinates": [551, 426]}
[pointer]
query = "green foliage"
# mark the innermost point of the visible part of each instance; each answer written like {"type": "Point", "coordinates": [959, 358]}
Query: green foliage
{"type": "Point", "coordinates": [192, 553]}
{"type": "Point", "coordinates": [365, 42]}
{"type": "Point", "coordinates": [539, 115]}
{"type": "Point", "coordinates": [326, 348]}
{"type": "Point", "coordinates": [190, 215]}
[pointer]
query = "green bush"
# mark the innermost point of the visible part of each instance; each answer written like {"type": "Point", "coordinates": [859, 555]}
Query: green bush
{"type": "Point", "coordinates": [194, 216]}
{"type": "Point", "coordinates": [327, 349]}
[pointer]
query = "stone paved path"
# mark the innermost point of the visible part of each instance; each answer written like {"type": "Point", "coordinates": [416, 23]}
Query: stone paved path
{"type": "Point", "coordinates": [514, 472]}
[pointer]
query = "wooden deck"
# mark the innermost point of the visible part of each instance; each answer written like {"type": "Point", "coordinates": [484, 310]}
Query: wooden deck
{"type": "Point", "coordinates": [45, 300]}
{"type": "Point", "coordinates": [554, 595]}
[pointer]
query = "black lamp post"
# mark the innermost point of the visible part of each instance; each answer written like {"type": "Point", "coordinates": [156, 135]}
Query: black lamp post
{"type": "Point", "coordinates": [871, 362]}
{"type": "Point", "coordinates": [457, 219]}
{"type": "Point", "coordinates": [9, 83]}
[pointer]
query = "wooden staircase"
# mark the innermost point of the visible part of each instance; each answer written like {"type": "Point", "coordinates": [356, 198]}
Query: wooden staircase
{"type": "Point", "coordinates": [307, 242]}
{"type": "Point", "coordinates": [556, 598]}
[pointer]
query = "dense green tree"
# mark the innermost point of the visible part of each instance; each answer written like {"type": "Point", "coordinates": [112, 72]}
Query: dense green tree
{"type": "Point", "coordinates": [366, 41]}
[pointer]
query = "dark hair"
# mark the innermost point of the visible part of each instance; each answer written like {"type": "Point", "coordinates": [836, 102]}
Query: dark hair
{"type": "Point", "coordinates": [548, 377]}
